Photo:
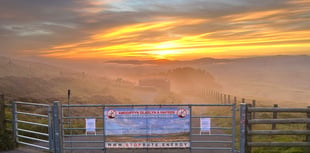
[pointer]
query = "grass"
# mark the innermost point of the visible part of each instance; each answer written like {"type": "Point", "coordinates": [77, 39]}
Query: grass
{"type": "Point", "coordinates": [6, 138]}
{"type": "Point", "coordinates": [265, 138]}
{"type": "Point", "coordinates": [280, 138]}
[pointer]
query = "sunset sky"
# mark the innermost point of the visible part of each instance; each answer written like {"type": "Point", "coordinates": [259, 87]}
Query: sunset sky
{"type": "Point", "coordinates": [153, 29]}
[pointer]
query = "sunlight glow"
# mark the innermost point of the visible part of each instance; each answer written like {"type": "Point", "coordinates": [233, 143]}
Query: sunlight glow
{"type": "Point", "coordinates": [156, 40]}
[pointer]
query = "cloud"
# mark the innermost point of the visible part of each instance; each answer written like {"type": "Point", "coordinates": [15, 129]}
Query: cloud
{"type": "Point", "coordinates": [135, 28]}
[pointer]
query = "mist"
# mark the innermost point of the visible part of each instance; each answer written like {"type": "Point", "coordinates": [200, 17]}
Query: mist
{"type": "Point", "coordinates": [274, 79]}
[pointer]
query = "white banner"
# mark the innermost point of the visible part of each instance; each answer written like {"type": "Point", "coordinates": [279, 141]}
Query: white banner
{"type": "Point", "coordinates": [154, 145]}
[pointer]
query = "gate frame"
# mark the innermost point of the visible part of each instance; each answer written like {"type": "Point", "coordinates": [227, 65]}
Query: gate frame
{"type": "Point", "coordinates": [233, 119]}
{"type": "Point", "coordinates": [55, 119]}
{"type": "Point", "coordinates": [15, 128]}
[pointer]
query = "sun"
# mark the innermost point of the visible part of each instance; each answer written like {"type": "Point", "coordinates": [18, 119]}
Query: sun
{"type": "Point", "coordinates": [165, 54]}
{"type": "Point", "coordinates": [165, 50]}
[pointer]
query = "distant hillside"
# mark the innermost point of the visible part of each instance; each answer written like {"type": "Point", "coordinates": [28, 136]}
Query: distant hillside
{"type": "Point", "coordinates": [23, 68]}
{"type": "Point", "coordinates": [168, 62]}
{"type": "Point", "coordinates": [283, 79]}
{"type": "Point", "coordinates": [35, 81]}
{"type": "Point", "coordinates": [272, 79]}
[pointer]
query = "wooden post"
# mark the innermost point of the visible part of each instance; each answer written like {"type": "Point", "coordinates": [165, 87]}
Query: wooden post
{"type": "Point", "coordinates": [2, 115]}
{"type": "Point", "coordinates": [221, 98]}
{"type": "Point", "coordinates": [308, 126]}
{"type": "Point", "coordinates": [275, 116]}
{"type": "Point", "coordinates": [228, 99]}
{"type": "Point", "coordinates": [253, 105]}
{"type": "Point", "coordinates": [235, 100]}
{"type": "Point", "coordinates": [243, 100]}
{"type": "Point", "coordinates": [225, 99]}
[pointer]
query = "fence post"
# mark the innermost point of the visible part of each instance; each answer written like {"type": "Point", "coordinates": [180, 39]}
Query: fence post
{"type": "Point", "coordinates": [243, 100]}
{"type": "Point", "coordinates": [2, 115]}
{"type": "Point", "coordinates": [308, 126]}
{"type": "Point", "coordinates": [253, 105]}
{"type": "Point", "coordinates": [221, 97]}
{"type": "Point", "coordinates": [56, 128]}
{"type": "Point", "coordinates": [243, 128]}
{"type": "Point", "coordinates": [275, 116]}
{"type": "Point", "coordinates": [229, 99]}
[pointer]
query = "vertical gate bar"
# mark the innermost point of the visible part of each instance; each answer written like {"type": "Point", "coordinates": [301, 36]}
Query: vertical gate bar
{"type": "Point", "coordinates": [63, 122]}
{"type": "Point", "coordinates": [104, 131]}
{"type": "Point", "coordinates": [56, 127]}
{"type": "Point", "coordinates": [233, 127]}
{"type": "Point", "coordinates": [308, 126]}
{"type": "Point", "coordinates": [61, 131]}
{"type": "Point", "coordinates": [69, 119]}
{"type": "Point", "coordinates": [147, 130]}
{"type": "Point", "coordinates": [190, 126]}
{"type": "Point", "coordinates": [243, 113]}
{"type": "Point", "coordinates": [50, 133]}
{"type": "Point", "coordinates": [14, 122]}
{"type": "Point", "coordinates": [248, 128]}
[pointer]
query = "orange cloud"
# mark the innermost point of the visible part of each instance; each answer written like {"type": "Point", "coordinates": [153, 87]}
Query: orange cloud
{"type": "Point", "coordinates": [255, 15]}
{"type": "Point", "coordinates": [250, 37]}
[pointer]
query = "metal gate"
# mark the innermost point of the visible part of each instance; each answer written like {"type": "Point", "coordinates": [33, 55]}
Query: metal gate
{"type": "Point", "coordinates": [32, 124]}
{"type": "Point", "coordinates": [62, 128]}
{"type": "Point", "coordinates": [219, 137]}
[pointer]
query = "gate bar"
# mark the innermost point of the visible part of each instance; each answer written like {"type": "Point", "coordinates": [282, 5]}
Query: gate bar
{"type": "Point", "coordinates": [217, 128]}
{"type": "Point", "coordinates": [33, 145]}
{"type": "Point", "coordinates": [279, 132]}
{"type": "Point", "coordinates": [137, 105]}
{"type": "Point", "coordinates": [211, 116]}
{"type": "Point", "coordinates": [32, 123]}
{"type": "Point", "coordinates": [34, 104]}
{"type": "Point", "coordinates": [224, 135]}
{"type": "Point", "coordinates": [83, 141]}
{"type": "Point", "coordinates": [33, 132]}
{"type": "Point", "coordinates": [233, 124]}
{"type": "Point", "coordinates": [209, 148]}
{"type": "Point", "coordinates": [211, 141]}
{"type": "Point", "coordinates": [31, 114]}
{"type": "Point", "coordinates": [31, 138]}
